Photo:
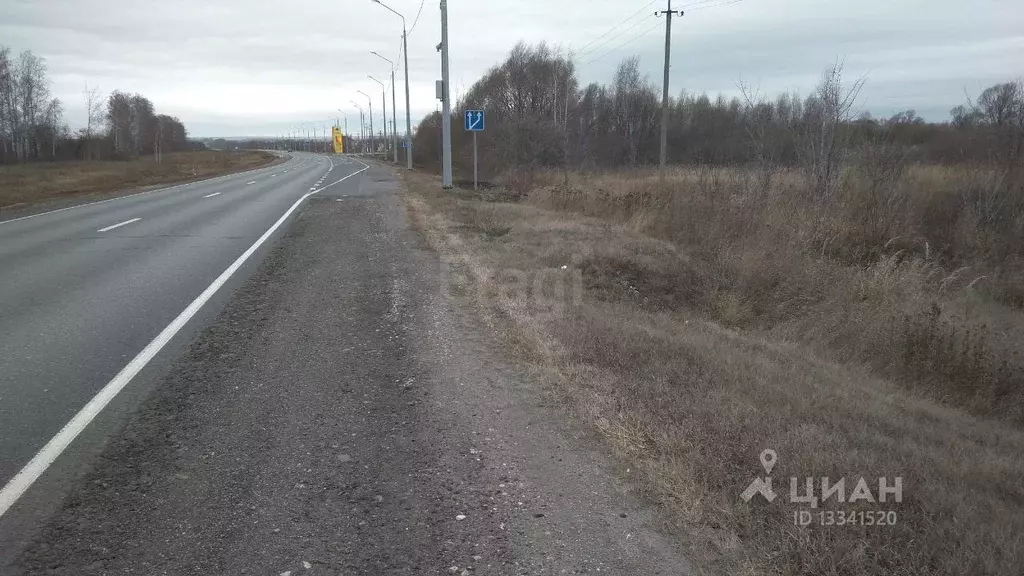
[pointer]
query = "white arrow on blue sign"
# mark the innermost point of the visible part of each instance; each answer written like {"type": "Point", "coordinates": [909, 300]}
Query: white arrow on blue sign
{"type": "Point", "coordinates": [474, 120]}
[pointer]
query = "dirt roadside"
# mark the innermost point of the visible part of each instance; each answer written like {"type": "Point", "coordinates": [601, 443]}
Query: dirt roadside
{"type": "Point", "coordinates": [346, 415]}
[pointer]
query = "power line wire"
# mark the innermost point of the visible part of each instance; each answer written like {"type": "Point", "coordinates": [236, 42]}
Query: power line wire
{"type": "Point", "coordinates": [713, 5]}
{"type": "Point", "coordinates": [624, 44]}
{"type": "Point", "coordinates": [699, 5]}
{"type": "Point", "coordinates": [615, 37]}
{"type": "Point", "coordinates": [417, 19]}
{"type": "Point", "coordinates": [613, 28]}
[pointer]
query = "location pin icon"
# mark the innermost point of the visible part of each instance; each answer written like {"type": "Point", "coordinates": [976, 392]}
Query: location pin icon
{"type": "Point", "coordinates": [768, 459]}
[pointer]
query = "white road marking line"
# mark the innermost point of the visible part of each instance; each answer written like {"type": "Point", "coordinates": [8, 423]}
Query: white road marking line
{"type": "Point", "coordinates": [248, 183]}
{"type": "Point", "coordinates": [211, 195]}
{"type": "Point", "coordinates": [125, 223]}
{"type": "Point", "coordinates": [272, 175]}
{"type": "Point", "coordinates": [27, 476]}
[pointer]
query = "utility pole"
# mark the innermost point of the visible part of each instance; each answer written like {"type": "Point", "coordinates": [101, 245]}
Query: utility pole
{"type": "Point", "coordinates": [446, 106]}
{"type": "Point", "coordinates": [664, 97]}
{"type": "Point", "coordinates": [408, 112]}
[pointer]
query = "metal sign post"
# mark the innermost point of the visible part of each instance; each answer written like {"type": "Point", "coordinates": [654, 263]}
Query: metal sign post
{"type": "Point", "coordinates": [474, 123]}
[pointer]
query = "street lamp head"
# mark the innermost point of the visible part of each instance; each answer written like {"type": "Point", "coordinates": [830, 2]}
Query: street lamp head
{"type": "Point", "coordinates": [392, 10]}
{"type": "Point", "coordinates": [388, 60]}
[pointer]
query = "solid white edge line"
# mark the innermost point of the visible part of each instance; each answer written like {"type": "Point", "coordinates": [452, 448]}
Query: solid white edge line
{"type": "Point", "coordinates": [206, 181]}
{"type": "Point", "coordinates": [31, 472]}
{"type": "Point", "coordinates": [125, 223]}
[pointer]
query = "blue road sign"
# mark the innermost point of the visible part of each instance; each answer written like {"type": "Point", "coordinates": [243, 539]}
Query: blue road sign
{"type": "Point", "coordinates": [474, 120]}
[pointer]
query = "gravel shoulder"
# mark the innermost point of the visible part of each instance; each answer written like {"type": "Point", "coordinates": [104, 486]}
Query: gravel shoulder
{"type": "Point", "coordinates": [347, 415]}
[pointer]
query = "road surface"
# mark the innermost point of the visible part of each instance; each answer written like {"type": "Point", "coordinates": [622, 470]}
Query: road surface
{"type": "Point", "coordinates": [84, 289]}
{"type": "Point", "coordinates": [343, 413]}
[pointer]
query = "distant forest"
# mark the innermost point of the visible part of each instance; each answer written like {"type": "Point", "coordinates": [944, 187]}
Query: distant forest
{"type": "Point", "coordinates": [540, 116]}
{"type": "Point", "coordinates": [118, 125]}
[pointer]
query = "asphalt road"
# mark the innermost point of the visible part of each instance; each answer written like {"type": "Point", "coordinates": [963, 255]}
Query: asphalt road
{"type": "Point", "coordinates": [83, 290]}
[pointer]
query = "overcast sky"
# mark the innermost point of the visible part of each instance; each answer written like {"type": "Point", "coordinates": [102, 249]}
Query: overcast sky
{"type": "Point", "coordinates": [260, 67]}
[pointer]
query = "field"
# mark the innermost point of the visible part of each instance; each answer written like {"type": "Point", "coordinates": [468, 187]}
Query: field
{"type": "Point", "coordinates": [698, 319]}
{"type": "Point", "coordinates": [24, 184]}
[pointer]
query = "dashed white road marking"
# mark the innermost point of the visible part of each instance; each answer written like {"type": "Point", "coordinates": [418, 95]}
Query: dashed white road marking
{"type": "Point", "coordinates": [272, 175]}
{"type": "Point", "coordinates": [248, 183]}
{"type": "Point", "coordinates": [144, 192]}
{"type": "Point", "coordinates": [125, 223]}
{"type": "Point", "coordinates": [211, 195]}
{"type": "Point", "coordinates": [27, 476]}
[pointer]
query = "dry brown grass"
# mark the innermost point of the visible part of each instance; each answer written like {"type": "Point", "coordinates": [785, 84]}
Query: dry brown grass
{"type": "Point", "coordinates": [907, 282]}
{"type": "Point", "coordinates": [29, 183]}
{"type": "Point", "coordinates": [718, 320]}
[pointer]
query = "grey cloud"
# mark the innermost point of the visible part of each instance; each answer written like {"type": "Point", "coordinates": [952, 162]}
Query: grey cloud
{"type": "Point", "coordinates": [259, 66]}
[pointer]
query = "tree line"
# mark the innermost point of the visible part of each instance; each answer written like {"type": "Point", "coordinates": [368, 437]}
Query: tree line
{"type": "Point", "coordinates": [540, 117]}
{"type": "Point", "coordinates": [118, 126]}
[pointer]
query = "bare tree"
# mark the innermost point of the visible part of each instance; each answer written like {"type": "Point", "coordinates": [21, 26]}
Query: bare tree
{"type": "Point", "coordinates": [1000, 109]}
{"type": "Point", "coordinates": [93, 117]}
{"type": "Point", "coordinates": [824, 143]}
{"type": "Point", "coordinates": [119, 118]}
{"type": "Point", "coordinates": [32, 125]}
{"type": "Point", "coordinates": [33, 99]}
{"type": "Point", "coordinates": [8, 110]}
{"type": "Point", "coordinates": [759, 121]}
{"type": "Point", "coordinates": [51, 130]}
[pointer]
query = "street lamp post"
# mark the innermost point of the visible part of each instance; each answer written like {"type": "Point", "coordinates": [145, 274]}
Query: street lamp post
{"type": "Point", "coordinates": [345, 133]}
{"type": "Point", "coordinates": [394, 107]}
{"type": "Point", "coordinates": [373, 148]}
{"type": "Point", "coordinates": [408, 114]}
{"type": "Point", "coordinates": [384, 108]}
{"type": "Point", "coordinates": [362, 123]}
